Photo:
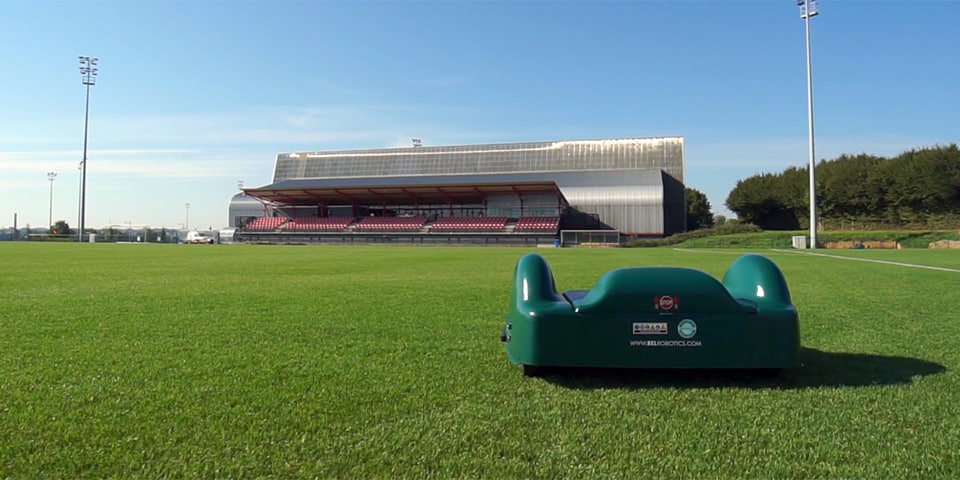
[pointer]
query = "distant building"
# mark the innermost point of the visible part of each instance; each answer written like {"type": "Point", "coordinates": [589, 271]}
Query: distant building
{"type": "Point", "coordinates": [634, 186]}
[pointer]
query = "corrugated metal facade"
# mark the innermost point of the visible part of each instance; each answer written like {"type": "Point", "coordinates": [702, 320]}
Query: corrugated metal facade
{"type": "Point", "coordinates": [630, 184]}
{"type": "Point", "coordinates": [664, 153]}
{"type": "Point", "coordinates": [631, 202]}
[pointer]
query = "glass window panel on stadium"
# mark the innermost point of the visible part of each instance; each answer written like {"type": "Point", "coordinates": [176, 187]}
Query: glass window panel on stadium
{"type": "Point", "coordinates": [633, 185]}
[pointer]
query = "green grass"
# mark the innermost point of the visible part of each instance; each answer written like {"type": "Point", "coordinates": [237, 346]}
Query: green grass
{"type": "Point", "coordinates": [245, 361]}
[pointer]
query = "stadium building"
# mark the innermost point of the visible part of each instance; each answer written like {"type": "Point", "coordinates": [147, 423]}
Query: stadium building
{"type": "Point", "coordinates": [579, 191]}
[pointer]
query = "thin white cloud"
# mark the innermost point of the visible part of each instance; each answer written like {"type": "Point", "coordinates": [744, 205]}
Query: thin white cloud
{"type": "Point", "coordinates": [450, 81]}
{"type": "Point", "coordinates": [218, 145]}
{"type": "Point", "coordinates": [775, 154]}
{"type": "Point", "coordinates": [274, 126]}
{"type": "Point", "coordinates": [272, 129]}
{"type": "Point", "coordinates": [161, 163]}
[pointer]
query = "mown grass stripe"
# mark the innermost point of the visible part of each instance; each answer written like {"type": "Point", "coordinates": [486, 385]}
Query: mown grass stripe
{"type": "Point", "coordinates": [871, 260]}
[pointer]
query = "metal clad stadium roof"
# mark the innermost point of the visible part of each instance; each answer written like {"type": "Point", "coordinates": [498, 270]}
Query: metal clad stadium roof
{"type": "Point", "coordinates": [664, 153]}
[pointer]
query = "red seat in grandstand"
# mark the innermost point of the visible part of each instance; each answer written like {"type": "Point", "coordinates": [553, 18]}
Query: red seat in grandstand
{"type": "Point", "coordinates": [469, 224]}
{"type": "Point", "coordinates": [318, 224]}
{"type": "Point", "coordinates": [264, 224]}
{"type": "Point", "coordinates": [390, 224]}
{"type": "Point", "coordinates": [537, 224]}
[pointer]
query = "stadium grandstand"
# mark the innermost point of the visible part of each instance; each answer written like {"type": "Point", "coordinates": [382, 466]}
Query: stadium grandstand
{"type": "Point", "coordinates": [578, 191]}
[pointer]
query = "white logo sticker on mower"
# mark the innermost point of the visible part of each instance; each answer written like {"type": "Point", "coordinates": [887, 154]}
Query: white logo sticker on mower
{"type": "Point", "coordinates": [649, 328]}
{"type": "Point", "coordinates": [687, 328]}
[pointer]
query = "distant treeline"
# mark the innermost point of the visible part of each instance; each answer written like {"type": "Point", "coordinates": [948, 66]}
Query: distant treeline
{"type": "Point", "coordinates": [918, 188]}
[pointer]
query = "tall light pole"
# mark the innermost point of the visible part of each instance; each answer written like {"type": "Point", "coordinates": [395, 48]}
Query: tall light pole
{"type": "Point", "coordinates": [79, 196]}
{"type": "Point", "coordinates": [186, 223]}
{"type": "Point", "coordinates": [88, 73]}
{"type": "Point", "coordinates": [808, 8]}
{"type": "Point", "coordinates": [51, 176]}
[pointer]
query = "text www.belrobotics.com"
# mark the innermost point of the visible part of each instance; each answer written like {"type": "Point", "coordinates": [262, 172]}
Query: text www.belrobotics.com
{"type": "Point", "coordinates": [665, 343]}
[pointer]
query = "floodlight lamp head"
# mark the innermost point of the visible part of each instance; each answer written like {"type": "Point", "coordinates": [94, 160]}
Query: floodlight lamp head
{"type": "Point", "coordinates": [88, 70]}
{"type": "Point", "coordinates": [808, 8]}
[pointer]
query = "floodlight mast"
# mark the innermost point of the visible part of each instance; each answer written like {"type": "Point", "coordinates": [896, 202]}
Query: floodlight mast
{"type": "Point", "coordinates": [88, 73]}
{"type": "Point", "coordinates": [808, 8]}
{"type": "Point", "coordinates": [51, 176]}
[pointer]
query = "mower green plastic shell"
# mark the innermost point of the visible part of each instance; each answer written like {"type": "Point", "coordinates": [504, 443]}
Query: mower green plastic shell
{"type": "Point", "coordinates": [654, 317]}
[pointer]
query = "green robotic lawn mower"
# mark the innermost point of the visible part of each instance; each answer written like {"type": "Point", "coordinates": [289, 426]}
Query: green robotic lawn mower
{"type": "Point", "coordinates": [653, 317]}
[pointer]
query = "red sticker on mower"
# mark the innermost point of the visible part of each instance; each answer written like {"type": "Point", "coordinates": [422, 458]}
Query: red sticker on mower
{"type": "Point", "coordinates": [666, 302]}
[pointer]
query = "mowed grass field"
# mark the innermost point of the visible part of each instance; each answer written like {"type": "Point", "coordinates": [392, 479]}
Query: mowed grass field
{"type": "Point", "coordinates": [241, 361]}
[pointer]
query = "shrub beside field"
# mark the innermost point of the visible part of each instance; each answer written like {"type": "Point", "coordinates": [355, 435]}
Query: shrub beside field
{"type": "Point", "coordinates": [383, 362]}
{"type": "Point", "coordinates": [749, 236]}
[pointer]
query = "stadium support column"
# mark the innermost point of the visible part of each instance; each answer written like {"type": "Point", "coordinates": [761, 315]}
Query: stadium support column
{"type": "Point", "coordinates": [808, 8]}
{"type": "Point", "coordinates": [88, 72]}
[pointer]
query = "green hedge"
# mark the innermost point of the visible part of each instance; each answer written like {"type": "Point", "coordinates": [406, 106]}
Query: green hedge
{"type": "Point", "coordinates": [750, 236]}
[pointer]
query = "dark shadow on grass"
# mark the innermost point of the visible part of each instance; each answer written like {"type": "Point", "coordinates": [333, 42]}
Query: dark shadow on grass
{"type": "Point", "coordinates": [818, 369]}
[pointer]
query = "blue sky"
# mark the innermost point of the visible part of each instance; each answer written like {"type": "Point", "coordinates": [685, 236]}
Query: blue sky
{"type": "Point", "coordinates": [194, 96]}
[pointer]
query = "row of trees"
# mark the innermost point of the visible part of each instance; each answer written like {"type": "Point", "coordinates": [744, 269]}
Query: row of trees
{"type": "Point", "coordinates": [698, 210]}
{"type": "Point", "coordinates": [918, 188]}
